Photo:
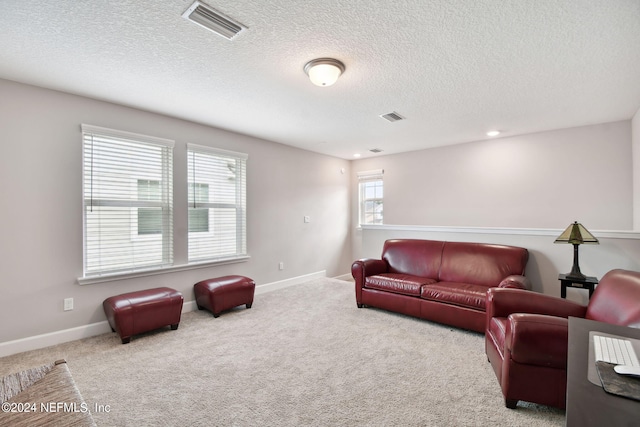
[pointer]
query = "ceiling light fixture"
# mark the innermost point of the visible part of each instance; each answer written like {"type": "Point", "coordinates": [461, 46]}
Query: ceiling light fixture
{"type": "Point", "coordinates": [493, 133]}
{"type": "Point", "coordinates": [324, 71]}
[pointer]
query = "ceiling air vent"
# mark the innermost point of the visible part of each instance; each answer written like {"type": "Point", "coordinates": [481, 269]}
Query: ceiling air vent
{"type": "Point", "coordinates": [213, 20]}
{"type": "Point", "coordinates": [392, 116]}
{"type": "Point", "coordinates": [376, 150]}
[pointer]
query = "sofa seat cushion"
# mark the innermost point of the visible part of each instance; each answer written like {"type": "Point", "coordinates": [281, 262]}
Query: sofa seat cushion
{"type": "Point", "coordinates": [398, 283]}
{"type": "Point", "coordinates": [460, 294]}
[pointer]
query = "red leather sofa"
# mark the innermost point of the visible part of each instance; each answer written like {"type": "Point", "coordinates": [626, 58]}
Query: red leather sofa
{"type": "Point", "coordinates": [527, 337]}
{"type": "Point", "coordinates": [445, 282]}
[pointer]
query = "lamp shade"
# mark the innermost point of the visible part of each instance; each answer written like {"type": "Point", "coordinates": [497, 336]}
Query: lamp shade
{"type": "Point", "coordinates": [324, 71]}
{"type": "Point", "coordinates": [576, 234]}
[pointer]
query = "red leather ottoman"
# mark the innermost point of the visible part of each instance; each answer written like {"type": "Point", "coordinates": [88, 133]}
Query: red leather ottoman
{"type": "Point", "coordinates": [143, 311]}
{"type": "Point", "coordinates": [224, 293]}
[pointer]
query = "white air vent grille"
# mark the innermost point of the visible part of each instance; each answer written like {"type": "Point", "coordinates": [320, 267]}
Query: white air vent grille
{"type": "Point", "coordinates": [213, 20]}
{"type": "Point", "coordinates": [392, 117]}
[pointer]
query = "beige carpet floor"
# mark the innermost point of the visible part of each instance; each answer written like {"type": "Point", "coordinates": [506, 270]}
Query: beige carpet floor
{"type": "Point", "coordinates": [302, 356]}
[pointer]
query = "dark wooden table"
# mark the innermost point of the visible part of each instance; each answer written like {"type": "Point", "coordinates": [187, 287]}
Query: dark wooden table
{"type": "Point", "coordinates": [587, 403]}
{"type": "Point", "coordinates": [586, 283]}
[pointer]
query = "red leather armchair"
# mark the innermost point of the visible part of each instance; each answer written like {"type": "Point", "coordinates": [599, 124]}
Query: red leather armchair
{"type": "Point", "coordinates": [526, 336]}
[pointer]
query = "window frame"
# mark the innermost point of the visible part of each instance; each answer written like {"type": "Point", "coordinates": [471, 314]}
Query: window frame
{"type": "Point", "coordinates": [93, 267]}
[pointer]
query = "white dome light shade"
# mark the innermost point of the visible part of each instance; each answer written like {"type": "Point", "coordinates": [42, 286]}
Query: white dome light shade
{"type": "Point", "coordinates": [324, 71]}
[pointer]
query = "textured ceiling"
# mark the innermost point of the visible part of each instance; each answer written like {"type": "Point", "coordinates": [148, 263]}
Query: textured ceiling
{"type": "Point", "coordinates": [453, 68]}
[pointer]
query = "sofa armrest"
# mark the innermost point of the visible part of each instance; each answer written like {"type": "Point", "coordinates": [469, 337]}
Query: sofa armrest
{"type": "Point", "coordinates": [516, 281]}
{"type": "Point", "coordinates": [535, 339]}
{"type": "Point", "coordinates": [364, 268]}
{"type": "Point", "coordinates": [501, 302]}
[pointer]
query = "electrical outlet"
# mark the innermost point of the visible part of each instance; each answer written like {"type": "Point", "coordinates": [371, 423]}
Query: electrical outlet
{"type": "Point", "coordinates": [68, 304]}
{"type": "Point", "coordinates": [281, 265]}
{"type": "Point", "coordinates": [307, 218]}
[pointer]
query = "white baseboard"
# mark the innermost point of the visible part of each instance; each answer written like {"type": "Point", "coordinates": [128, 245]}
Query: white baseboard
{"type": "Point", "coordinates": [268, 287]}
{"type": "Point", "coordinates": [53, 338]}
{"type": "Point", "coordinates": [58, 337]}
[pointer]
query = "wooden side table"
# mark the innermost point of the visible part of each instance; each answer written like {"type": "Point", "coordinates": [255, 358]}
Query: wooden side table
{"type": "Point", "coordinates": [586, 283]}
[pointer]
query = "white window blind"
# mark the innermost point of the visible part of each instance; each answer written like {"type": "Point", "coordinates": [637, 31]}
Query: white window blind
{"type": "Point", "coordinates": [128, 201]}
{"type": "Point", "coordinates": [370, 191]}
{"type": "Point", "coordinates": [217, 203]}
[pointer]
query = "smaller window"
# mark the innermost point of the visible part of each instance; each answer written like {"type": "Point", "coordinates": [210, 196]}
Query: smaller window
{"type": "Point", "coordinates": [370, 192]}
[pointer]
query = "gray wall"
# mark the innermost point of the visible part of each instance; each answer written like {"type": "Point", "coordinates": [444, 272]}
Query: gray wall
{"type": "Point", "coordinates": [541, 180]}
{"type": "Point", "coordinates": [41, 208]}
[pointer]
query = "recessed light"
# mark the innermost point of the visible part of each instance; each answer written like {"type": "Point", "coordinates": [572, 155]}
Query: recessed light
{"type": "Point", "coordinates": [493, 133]}
{"type": "Point", "coordinates": [356, 155]}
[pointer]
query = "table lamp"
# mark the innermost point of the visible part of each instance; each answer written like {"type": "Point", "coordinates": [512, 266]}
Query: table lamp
{"type": "Point", "coordinates": [576, 235]}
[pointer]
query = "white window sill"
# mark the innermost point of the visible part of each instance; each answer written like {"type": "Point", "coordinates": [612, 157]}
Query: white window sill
{"type": "Point", "coordinates": [90, 280]}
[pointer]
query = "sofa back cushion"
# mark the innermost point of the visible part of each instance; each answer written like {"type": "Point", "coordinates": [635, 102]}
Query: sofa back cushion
{"type": "Point", "coordinates": [412, 256]}
{"type": "Point", "coordinates": [616, 299]}
{"type": "Point", "coordinates": [480, 263]}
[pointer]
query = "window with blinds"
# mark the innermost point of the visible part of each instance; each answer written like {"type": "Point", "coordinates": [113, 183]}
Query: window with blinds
{"type": "Point", "coordinates": [370, 190]}
{"type": "Point", "coordinates": [128, 201]}
{"type": "Point", "coordinates": [217, 203]}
